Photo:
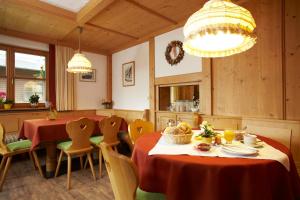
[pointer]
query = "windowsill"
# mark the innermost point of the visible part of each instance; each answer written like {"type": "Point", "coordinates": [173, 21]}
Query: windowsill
{"type": "Point", "coordinates": [24, 110]}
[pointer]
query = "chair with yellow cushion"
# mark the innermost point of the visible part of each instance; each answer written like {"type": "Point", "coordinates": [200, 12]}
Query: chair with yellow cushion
{"type": "Point", "coordinates": [109, 128]}
{"type": "Point", "coordinates": [138, 128]}
{"type": "Point", "coordinates": [7, 151]}
{"type": "Point", "coordinates": [79, 131]}
{"type": "Point", "coordinates": [123, 177]}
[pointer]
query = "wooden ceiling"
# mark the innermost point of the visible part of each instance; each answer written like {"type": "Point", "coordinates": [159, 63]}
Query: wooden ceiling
{"type": "Point", "coordinates": [109, 25]}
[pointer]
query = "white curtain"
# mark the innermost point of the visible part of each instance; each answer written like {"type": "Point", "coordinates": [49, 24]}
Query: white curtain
{"type": "Point", "coordinates": [65, 82]}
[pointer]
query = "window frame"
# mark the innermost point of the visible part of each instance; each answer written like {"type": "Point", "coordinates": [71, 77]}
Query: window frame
{"type": "Point", "coordinates": [10, 71]}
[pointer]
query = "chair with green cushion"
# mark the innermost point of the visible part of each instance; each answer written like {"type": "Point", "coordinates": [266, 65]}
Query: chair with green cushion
{"type": "Point", "coordinates": [109, 127]}
{"type": "Point", "coordinates": [9, 150]}
{"type": "Point", "coordinates": [80, 132]}
{"type": "Point", "coordinates": [123, 177]}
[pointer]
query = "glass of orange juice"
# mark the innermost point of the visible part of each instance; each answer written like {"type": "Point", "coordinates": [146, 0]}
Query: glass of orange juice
{"type": "Point", "coordinates": [229, 136]}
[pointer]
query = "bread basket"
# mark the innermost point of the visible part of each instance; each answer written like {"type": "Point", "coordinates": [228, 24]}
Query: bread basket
{"type": "Point", "coordinates": [177, 139]}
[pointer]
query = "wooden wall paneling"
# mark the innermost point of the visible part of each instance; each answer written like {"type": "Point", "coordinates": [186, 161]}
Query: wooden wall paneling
{"type": "Point", "coordinates": [250, 83]}
{"type": "Point", "coordinates": [163, 118]}
{"type": "Point", "coordinates": [152, 94]}
{"type": "Point", "coordinates": [223, 122]}
{"type": "Point", "coordinates": [292, 55]}
{"type": "Point", "coordinates": [191, 118]}
{"type": "Point", "coordinates": [105, 112]}
{"type": "Point", "coordinates": [206, 87]}
{"type": "Point", "coordinates": [282, 136]}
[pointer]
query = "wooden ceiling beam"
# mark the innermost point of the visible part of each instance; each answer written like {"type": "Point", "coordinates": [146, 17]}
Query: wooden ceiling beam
{"type": "Point", "coordinates": [37, 5]}
{"type": "Point", "coordinates": [91, 9]}
{"type": "Point", "coordinates": [151, 11]}
{"type": "Point", "coordinates": [147, 37]}
{"type": "Point", "coordinates": [43, 39]}
{"type": "Point", "coordinates": [96, 27]}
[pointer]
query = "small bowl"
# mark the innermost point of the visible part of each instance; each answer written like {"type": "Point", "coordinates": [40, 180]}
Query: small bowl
{"type": "Point", "coordinates": [203, 147]}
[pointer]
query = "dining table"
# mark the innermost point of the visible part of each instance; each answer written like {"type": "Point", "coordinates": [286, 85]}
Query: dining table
{"type": "Point", "coordinates": [45, 132]}
{"type": "Point", "coordinates": [186, 177]}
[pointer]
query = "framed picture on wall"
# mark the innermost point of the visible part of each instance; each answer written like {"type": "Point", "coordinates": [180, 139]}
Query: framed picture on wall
{"type": "Point", "coordinates": [128, 74]}
{"type": "Point", "coordinates": [88, 77]}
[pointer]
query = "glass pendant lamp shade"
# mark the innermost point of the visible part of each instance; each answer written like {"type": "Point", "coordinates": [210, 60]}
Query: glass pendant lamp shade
{"type": "Point", "coordinates": [221, 28]}
{"type": "Point", "coordinates": [79, 64]}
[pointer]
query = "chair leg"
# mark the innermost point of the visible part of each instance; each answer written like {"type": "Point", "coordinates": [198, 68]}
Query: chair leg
{"type": "Point", "coordinates": [2, 163]}
{"type": "Point", "coordinates": [100, 163]}
{"type": "Point", "coordinates": [81, 162]}
{"type": "Point", "coordinates": [32, 159]}
{"type": "Point", "coordinates": [85, 163]}
{"type": "Point", "coordinates": [91, 164]}
{"type": "Point", "coordinates": [37, 163]}
{"type": "Point", "coordinates": [5, 172]}
{"type": "Point", "coordinates": [69, 172]}
{"type": "Point", "coordinates": [58, 164]}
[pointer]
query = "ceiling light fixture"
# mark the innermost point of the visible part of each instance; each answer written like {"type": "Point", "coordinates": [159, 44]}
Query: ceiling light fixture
{"type": "Point", "coordinates": [221, 28]}
{"type": "Point", "coordinates": [79, 63]}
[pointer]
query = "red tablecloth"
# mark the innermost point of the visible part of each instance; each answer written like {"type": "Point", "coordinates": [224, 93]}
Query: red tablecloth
{"type": "Point", "coordinates": [43, 130]}
{"type": "Point", "coordinates": [183, 177]}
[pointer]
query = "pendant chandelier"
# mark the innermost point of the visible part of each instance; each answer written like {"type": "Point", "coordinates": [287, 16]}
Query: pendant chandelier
{"type": "Point", "coordinates": [221, 28]}
{"type": "Point", "coordinates": [79, 63]}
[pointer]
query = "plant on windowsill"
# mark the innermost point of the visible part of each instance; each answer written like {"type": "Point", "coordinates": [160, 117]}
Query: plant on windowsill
{"type": "Point", "coordinates": [107, 104]}
{"type": "Point", "coordinates": [34, 100]}
{"type": "Point", "coordinates": [2, 98]}
{"type": "Point", "coordinates": [8, 103]}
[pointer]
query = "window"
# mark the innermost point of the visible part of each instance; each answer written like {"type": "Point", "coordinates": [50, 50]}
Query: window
{"type": "Point", "coordinates": [23, 72]}
{"type": "Point", "coordinates": [3, 76]}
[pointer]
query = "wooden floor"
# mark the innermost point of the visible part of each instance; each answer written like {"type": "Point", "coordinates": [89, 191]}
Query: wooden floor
{"type": "Point", "coordinates": [23, 182]}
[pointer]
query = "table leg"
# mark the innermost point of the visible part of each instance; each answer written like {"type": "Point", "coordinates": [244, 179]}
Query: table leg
{"type": "Point", "coordinates": [51, 160]}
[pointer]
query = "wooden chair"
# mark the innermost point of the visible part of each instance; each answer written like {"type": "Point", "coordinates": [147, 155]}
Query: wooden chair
{"type": "Point", "coordinates": [139, 127]}
{"type": "Point", "coordinates": [124, 177]}
{"type": "Point", "coordinates": [9, 150]}
{"type": "Point", "coordinates": [109, 128]}
{"type": "Point", "coordinates": [79, 131]}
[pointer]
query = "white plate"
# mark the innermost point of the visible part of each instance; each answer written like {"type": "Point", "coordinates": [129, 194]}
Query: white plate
{"type": "Point", "coordinates": [239, 150]}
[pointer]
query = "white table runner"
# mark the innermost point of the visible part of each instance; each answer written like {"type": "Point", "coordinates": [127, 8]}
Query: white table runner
{"type": "Point", "coordinates": [266, 152]}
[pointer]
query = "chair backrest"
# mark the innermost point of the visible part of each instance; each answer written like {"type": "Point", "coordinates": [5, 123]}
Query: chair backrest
{"type": "Point", "coordinates": [3, 147]}
{"type": "Point", "coordinates": [139, 127]}
{"type": "Point", "coordinates": [80, 132]}
{"type": "Point", "coordinates": [122, 173]}
{"type": "Point", "coordinates": [109, 128]}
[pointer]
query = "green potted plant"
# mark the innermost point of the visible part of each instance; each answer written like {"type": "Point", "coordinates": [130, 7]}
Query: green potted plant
{"type": "Point", "coordinates": [34, 100]}
{"type": "Point", "coordinates": [8, 103]}
{"type": "Point", "coordinates": [107, 104]}
{"type": "Point", "coordinates": [208, 132]}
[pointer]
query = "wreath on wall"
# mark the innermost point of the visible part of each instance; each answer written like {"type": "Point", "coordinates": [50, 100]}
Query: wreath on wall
{"type": "Point", "coordinates": [174, 52]}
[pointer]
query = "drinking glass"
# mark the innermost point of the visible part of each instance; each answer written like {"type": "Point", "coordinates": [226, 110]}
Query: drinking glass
{"type": "Point", "coordinates": [229, 136]}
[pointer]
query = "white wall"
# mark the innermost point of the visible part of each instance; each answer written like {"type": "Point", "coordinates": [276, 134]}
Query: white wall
{"type": "Point", "coordinates": [189, 64]}
{"type": "Point", "coordinates": [133, 97]}
{"type": "Point", "coordinates": [90, 94]}
{"type": "Point", "coordinates": [23, 43]}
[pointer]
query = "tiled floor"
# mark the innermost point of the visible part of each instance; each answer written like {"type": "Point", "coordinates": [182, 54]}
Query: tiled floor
{"type": "Point", "coordinates": [23, 182]}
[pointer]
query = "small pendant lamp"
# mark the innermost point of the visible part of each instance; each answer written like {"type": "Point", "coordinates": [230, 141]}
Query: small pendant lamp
{"type": "Point", "coordinates": [79, 63]}
{"type": "Point", "coordinates": [221, 28]}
